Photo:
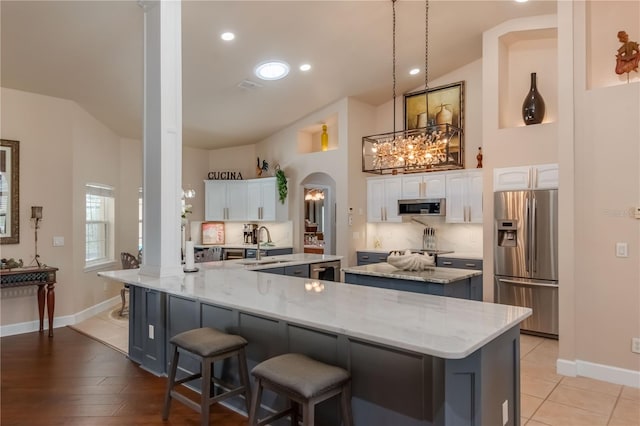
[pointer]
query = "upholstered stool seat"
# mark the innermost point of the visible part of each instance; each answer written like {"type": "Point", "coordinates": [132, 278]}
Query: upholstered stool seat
{"type": "Point", "coordinates": [208, 345]}
{"type": "Point", "coordinates": [304, 381]}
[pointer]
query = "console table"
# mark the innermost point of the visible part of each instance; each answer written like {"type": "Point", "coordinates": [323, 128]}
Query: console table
{"type": "Point", "coordinates": [44, 276]}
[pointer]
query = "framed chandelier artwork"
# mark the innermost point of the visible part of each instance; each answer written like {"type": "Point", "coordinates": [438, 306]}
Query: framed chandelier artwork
{"type": "Point", "coordinates": [432, 138]}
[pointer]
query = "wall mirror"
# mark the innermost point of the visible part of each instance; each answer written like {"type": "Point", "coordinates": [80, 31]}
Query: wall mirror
{"type": "Point", "coordinates": [9, 192]}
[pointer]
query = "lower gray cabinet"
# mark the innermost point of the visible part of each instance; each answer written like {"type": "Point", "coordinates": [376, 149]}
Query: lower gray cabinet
{"type": "Point", "coordinates": [182, 315]}
{"type": "Point", "coordinates": [301, 271]}
{"type": "Point", "coordinates": [147, 328]}
{"type": "Point", "coordinates": [452, 262]}
{"type": "Point", "coordinates": [369, 257]}
{"type": "Point", "coordinates": [469, 288]}
{"type": "Point", "coordinates": [251, 253]}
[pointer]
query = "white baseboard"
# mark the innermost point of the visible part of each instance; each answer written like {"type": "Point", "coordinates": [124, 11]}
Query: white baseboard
{"type": "Point", "coordinates": [30, 326]}
{"type": "Point", "coordinates": [606, 373]}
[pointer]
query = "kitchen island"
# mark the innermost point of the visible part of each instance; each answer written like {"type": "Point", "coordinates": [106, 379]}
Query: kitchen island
{"type": "Point", "coordinates": [415, 359]}
{"type": "Point", "coordinates": [451, 282]}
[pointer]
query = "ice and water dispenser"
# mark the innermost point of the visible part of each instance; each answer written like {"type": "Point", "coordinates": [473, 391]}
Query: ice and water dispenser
{"type": "Point", "coordinates": [507, 233]}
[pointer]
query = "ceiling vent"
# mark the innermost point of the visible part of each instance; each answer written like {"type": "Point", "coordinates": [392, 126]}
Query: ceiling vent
{"type": "Point", "coordinates": [249, 85]}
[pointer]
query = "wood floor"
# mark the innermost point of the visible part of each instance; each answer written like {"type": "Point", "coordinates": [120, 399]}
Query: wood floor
{"type": "Point", "coordinates": [73, 380]}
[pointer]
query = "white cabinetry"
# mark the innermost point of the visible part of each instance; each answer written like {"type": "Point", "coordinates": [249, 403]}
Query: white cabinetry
{"type": "Point", "coordinates": [382, 199]}
{"type": "Point", "coordinates": [263, 203]}
{"type": "Point", "coordinates": [464, 197]}
{"type": "Point", "coordinates": [542, 176]}
{"type": "Point", "coordinates": [431, 185]}
{"type": "Point", "coordinates": [225, 200]}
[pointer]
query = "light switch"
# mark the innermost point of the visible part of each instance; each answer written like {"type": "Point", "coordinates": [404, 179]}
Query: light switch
{"type": "Point", "coordinates": [58, 241]}
{"type": "Point", "coordinates": [622, 250]}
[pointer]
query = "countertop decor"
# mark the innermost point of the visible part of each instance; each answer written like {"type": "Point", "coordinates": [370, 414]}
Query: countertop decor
{"type": "Point", "coordinates": [411, 261]}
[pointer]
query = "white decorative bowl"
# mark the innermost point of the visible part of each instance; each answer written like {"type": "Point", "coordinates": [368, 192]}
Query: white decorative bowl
{"type": "Point", "coordinates": [411, 262]}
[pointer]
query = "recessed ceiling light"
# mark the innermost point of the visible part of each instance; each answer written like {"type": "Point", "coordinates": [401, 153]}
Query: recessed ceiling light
{"type": "Point", "coordinates": [272, 70]}
{"type": "Point", "coordinates": [522, 1]}
{"type": "Point", "coordinates": [227, 36]}
{"type": "Point", "coordinates": [414, 71]}
{"type": "Point", "coordinates": [305, 67]}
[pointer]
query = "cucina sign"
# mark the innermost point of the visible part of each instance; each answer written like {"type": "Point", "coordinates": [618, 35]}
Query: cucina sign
{"type": "Point", "coordinates": [224, 176]}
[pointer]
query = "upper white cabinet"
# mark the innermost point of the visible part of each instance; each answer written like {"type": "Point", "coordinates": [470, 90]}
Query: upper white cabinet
{"type": "Point", "coordinates": [263, 202]}
{"type": "Point", "coordinates": [225, 200]}
{"type": "Point", "coordinates": [382, 199]}
{"type": "Point", "coordinates": [431, 185]}
{"type": "Point", "coordinates": [542, 176]}
{"type": "Point", "coordinates": [464, 197]}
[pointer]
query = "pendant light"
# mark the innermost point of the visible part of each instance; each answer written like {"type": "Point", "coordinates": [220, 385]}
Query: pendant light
{"type": "Point", "coordinates": [415, 150]}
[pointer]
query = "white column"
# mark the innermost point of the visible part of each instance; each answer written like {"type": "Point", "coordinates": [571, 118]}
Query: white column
{"type": "Point", "coordinates": [162, 174]}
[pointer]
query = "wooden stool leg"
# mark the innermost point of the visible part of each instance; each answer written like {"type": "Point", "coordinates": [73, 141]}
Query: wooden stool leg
{"type": "Point", "coordinates": [345, 401]}
{"type": "Point", "coordinates": [308, 414]}
{"type": "Point", "coordinates": [255, 403]}
{"type": "Point", "coordinates": [244, 377]}
{"type": "Point", "coordinates": [124, 300]}
{"type": "Point", "coordinates": [205, 407]}
{"type": "Point", "coordinates": [294, 412]}
{"type": "Point", "coordinates": [170, 384]}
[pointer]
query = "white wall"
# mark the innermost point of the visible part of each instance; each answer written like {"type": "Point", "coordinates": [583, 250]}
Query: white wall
{"type": "Point", "coordinates": [61, 148]}
{"type": "Point", "coordinates": [600, 299]}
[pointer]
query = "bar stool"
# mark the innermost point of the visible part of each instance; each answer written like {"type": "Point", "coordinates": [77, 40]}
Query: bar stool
{"type": "Point", "coordinates": [208, 345]}
{"type": "Point", "coordinates": [304, 381]}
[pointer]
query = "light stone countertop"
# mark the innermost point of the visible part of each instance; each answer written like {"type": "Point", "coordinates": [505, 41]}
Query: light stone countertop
{"type": "Point", "coordinates": [431, 275]}
{"type": "Point", "coordinates": [440, 326]}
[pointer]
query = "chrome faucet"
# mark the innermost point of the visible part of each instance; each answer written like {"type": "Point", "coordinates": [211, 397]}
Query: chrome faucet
{"type": "Point", "coordinates": [258, 238]}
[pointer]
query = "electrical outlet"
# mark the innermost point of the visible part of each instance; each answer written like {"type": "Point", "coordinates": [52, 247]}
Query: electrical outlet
{"type": "Point", "coordinates": [622, 250]}
{"type": "Point", "coordinates": [151, 331]}
{"type": "Point", "coordinates": [505, 412]}
{"type": "Point", "coordinates": [58, 241]}
{"type": "Point", "coordinates": [635, 345]}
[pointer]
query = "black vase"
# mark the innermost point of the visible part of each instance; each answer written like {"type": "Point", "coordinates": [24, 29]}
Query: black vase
{"type": "Point", "coordinates": [533, 105]}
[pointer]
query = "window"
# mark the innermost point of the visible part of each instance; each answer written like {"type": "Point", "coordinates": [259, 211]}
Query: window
{"type": "Point", "coordinates": [100, 215]}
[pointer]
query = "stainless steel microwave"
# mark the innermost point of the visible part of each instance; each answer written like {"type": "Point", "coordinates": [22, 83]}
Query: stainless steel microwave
{"type": "Point", "coordinates": [421, 207]}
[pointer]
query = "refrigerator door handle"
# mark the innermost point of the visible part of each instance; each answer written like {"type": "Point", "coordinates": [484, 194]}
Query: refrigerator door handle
{"type": "Point", "coordinates": [534, 243]}
{"type": "Point", "coordinates": [506, 281]}
{"type": "Point", "coordinates": [527, 235]}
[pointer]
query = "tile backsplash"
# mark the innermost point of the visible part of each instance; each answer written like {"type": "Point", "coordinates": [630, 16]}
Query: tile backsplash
{"type": "Point", "coordinates": [459, 237]}
{"type": "Point", "coordinates": [281, 232]}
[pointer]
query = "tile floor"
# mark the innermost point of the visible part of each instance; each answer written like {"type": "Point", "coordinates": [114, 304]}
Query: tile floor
{"type": "Point", "coordinates": [109, 328]}
{"type": "Point", "coordinates": [546, 397]}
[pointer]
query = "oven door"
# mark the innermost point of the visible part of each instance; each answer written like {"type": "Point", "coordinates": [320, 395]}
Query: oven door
{"type": "Point", "coordinates": [327, 271]}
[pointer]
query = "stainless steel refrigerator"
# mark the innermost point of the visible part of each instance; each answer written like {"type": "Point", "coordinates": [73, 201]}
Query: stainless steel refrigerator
{"type": "Point", "coordinates": [526, 255]}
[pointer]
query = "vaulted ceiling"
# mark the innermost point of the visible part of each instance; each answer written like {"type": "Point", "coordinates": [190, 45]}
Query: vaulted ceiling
{"type": "Point", "coordinates": [91, 52]}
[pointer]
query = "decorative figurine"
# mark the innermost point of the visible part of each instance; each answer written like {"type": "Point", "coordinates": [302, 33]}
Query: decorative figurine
{"type": "Point", "coordinates": [479, 158]}
{"type": "Point", "coordinates": [628, 55]}
{"type": "Point", "coordinates": [11, 263]}
{"type": "Point", "coordinates": [263, 168]}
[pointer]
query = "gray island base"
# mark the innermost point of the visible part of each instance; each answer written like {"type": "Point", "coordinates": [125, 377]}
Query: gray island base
{"type": "Point", "coordinates": [415, 359]}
